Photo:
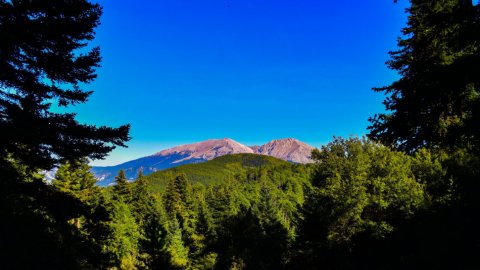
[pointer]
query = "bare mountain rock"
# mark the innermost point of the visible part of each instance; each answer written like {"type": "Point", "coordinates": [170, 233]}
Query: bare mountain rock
{"type": "Point", "coordinates": [287, 149]}
{"type": "Point", "coordinates": [206, 150]}
{"type": "Point", "coordinates": [184, 154]}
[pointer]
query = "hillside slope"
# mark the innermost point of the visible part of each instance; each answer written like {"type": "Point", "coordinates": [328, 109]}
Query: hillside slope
{"type": "Point", "coordinates": [184, 154]}
{"type": "Point", "coordinates": [287, 149]}
{"type": "Point", "coordinates": [220, 169]}
{"type": "Point", "coordinates": [291, 150]}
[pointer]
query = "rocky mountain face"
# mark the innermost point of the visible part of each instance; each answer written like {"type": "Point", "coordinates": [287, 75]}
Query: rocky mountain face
{"type": "Point", "coordinates": [290, 149]}
{"type": "Point", "coordinates": [287, 149]}
{"type": "Point", "coordinates": [206, 150]}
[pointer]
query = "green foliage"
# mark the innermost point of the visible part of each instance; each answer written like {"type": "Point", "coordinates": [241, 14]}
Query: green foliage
{"type": "Point", "coordinates": [176, 249]}
{"type": "Point", "coordinates": [177, 201]}
{"type": "Point", "coordinates": [430, 169]}
{"type": "Point", "coordinates": [214, 171]}
{"type": "Point", "coordinates": [435, 105]}
{"type": "Point", "coordinates": [36, 223]}
{"type": "Point", "coordinates": [190, 224]}
{"type": "Point", "coordinates": [45, 60]}
{"type": "Point", "coordinates": [137, 224]}
{"type": "Point", "coordinates": [435, 102]}
{"type": "Point", "coordinates": [194, 219]}
{"type": "Point", "coordinates": [123, 236]}
{"type": "Point", "coordinates": [122, 188]}
{"type": "Point", "coordinates": [75, 178]}
{"type": "Point", "coordinates": [364, 195]}
{"type": "Point", "coordinates": [366, 184]}
{"type": "Point", "coordinates": [49, 63]}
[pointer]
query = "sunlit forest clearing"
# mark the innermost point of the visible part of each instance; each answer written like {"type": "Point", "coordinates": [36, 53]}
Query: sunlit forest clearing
{"type": "Point", "coordinates": [404, 196]}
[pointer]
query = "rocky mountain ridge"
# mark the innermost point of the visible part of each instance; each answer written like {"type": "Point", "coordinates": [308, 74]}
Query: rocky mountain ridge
{"type": "Point", "coordinates": [289, 149]}
{"type": "Point", "coordinates": [286, 149]}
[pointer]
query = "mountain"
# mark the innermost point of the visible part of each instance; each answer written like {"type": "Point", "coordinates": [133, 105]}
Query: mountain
{"type": "Point", "coordinates": [218, 169]}
{"type": "Point", "coordinates": [184, 154]}
{"type": "Point", "coordinates": [286, 149]}
{"type": "Point", "coordinates": [206, 150]}
{"type": "Point", "coordinates": [290, 149]}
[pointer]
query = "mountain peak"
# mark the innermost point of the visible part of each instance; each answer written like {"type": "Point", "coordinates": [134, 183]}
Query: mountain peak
{"type": "Point", "coordinates": [206, 150]}
{"type": "Point", "coordinates": [285, 140]}
{"type": "Point", "coordinates": [289, 149]}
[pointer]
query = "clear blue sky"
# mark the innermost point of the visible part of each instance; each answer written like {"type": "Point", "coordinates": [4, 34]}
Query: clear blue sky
{"type": "Point", "coordinates": [182, 71]}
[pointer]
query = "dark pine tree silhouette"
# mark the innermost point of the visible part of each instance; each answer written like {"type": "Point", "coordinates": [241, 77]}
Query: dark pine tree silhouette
{"type": "Point", "coordinates": [44, 60]}
{"type": "Point", "coordinates": [436, 101]}
{"type": "Point", "coordinates": [436, 104]}
{"type": "Point", "coordinates": [122, 188]}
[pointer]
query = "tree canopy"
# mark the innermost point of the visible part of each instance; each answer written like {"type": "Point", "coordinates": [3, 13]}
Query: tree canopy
{"type": "Point", "coordinates": [436, 101]}
{"type": "Point", "coordinates": [45, 61]}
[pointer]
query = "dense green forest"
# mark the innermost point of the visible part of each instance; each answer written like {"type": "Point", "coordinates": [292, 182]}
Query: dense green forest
{"type": "Point", "coordinates": [404, 197]}
{"type": "Point", "coordinates": [217, 170]}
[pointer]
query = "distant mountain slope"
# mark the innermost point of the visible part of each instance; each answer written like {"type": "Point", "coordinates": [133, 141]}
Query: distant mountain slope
{"type": "Point", "coordinates": [286, 149]}
{"type": "Point", "coordinates": [184, 154]}
{"type": "Point", "coordinates": [206, 150]}
{"type": "Point", "coordinates": [218, 169]}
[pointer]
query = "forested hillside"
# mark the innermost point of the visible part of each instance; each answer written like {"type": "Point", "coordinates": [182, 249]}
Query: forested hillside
{"type": "Point", "coordinates": [249, 211]}
{"type": "Point", "coordinates": [286, 149]}
{"type": "Point", "coordinates": [216, 214]}
{"type": "Point", "coordinates": [219, 169]}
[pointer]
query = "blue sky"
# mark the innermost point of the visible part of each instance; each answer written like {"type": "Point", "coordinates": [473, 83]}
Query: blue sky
{"type": "Point", "coordinates": [182, 71]}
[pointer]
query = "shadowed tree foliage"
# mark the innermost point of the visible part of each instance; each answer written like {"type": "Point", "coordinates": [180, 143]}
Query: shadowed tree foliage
{"type": "Point", "coordinates": [45, 62]}
{"type": "Point", "coordinates": [436, 104]}
{"type": "Point", "coordinates": [254, 238]}
{"type": "Point", "coordinates": [361, 189]}
{"type": "Point", "coordinates": [122, 188]}
{"type": "Point", "coordinates": [150, 216]}
{"type": "Point", "coordinates": [177, 201]}
{"type": "Point", "coordinates": [436, 101]}
{"type": "Point", "coordinates": [121, 243]}
{"type": "Point", "coordinates": [75, 178]}
{"type": "Point", "coordinates": [36, 227]}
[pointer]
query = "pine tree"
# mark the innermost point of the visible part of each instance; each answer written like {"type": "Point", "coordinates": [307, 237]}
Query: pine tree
{"type": "Point", "coordinates": [436, 102]}
{"type": "Point", "coordinates": [122, 188]}
{"type": "Point", "coordinates": [176, 249]}
{"type": "Point", "coordinates": [44, 60]}
{"type": "Point", "coordinates": [75, 178]}
{"type": "Point", "coordinates": [176, 198]}
{"type": "Point", "coordinates": [146, 208]}
{"type": "Point", "coordinates": [124, 235]}
{"type": "Point", "coordinates": [141, 192]}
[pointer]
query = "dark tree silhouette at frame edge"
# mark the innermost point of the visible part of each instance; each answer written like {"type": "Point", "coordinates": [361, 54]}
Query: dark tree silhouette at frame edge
{"type": "Point", "coordinates": [45, 61]}
{"type": "Point", "coordinates": [435, 104]}
{"type": "Point", "coordinates": [436, 101]}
